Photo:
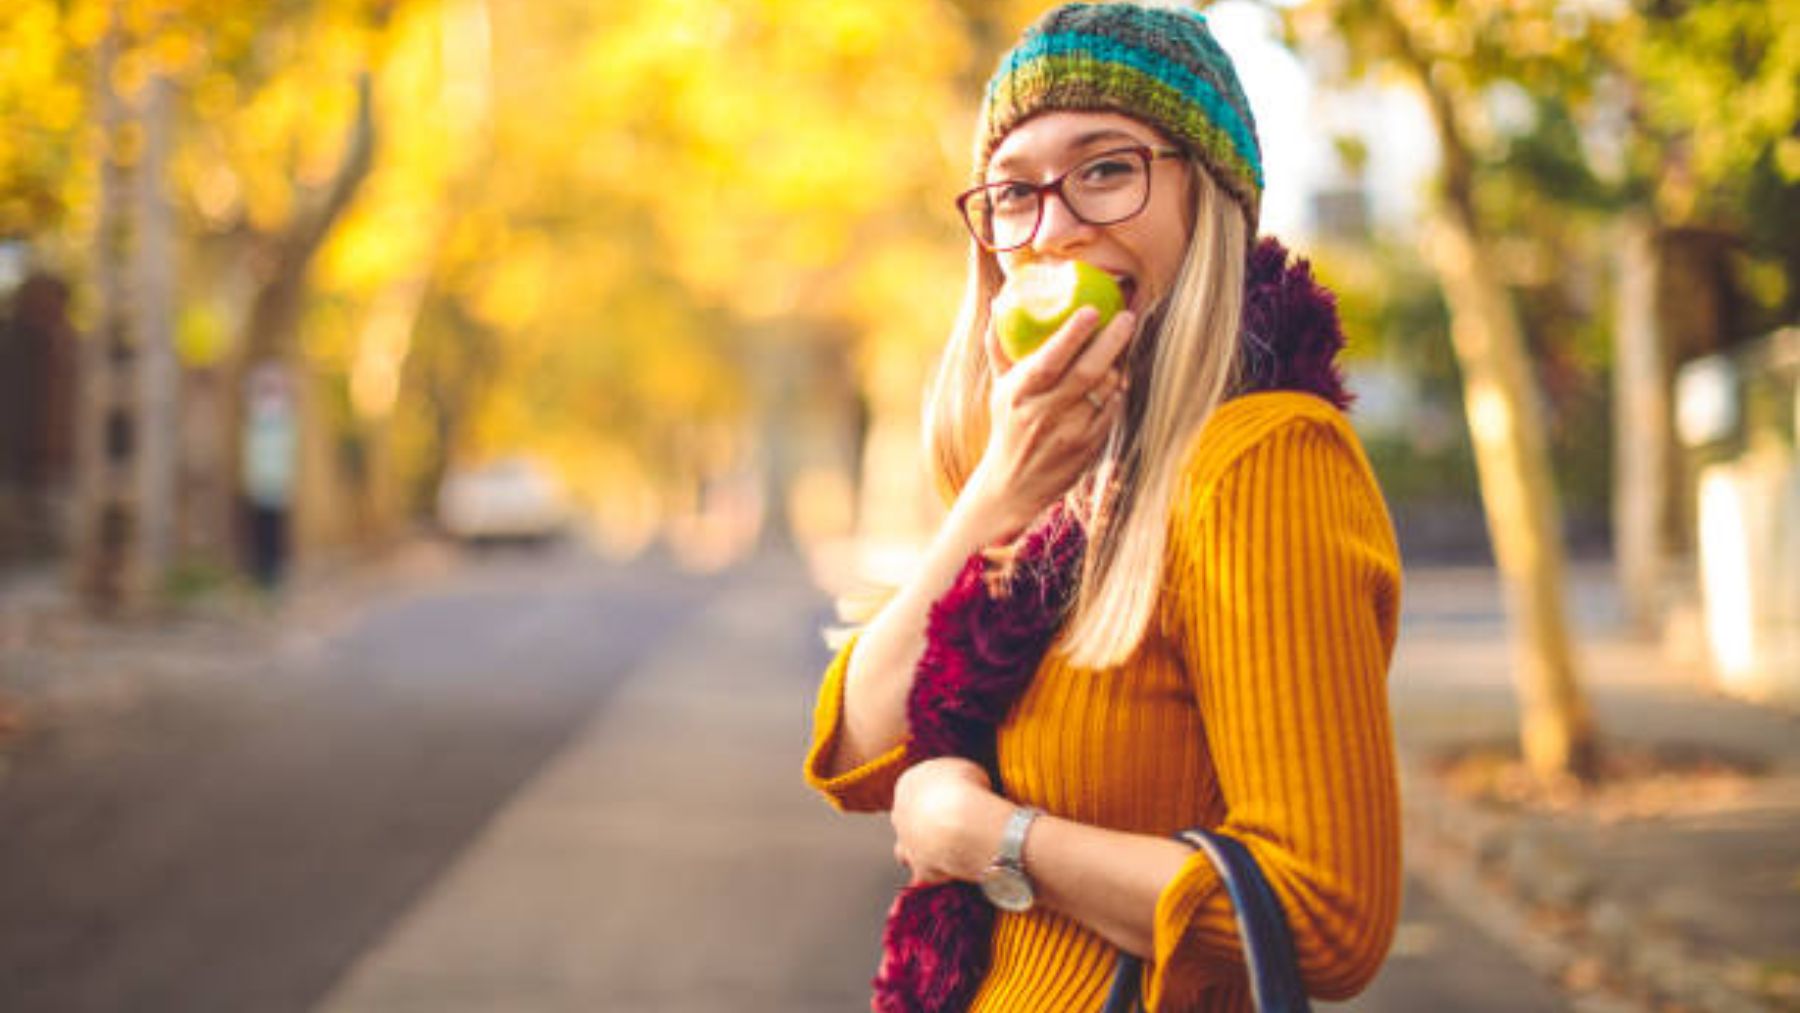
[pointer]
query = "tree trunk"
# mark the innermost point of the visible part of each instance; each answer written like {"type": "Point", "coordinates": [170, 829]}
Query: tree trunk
{"type": "Point", "coordinates": [129, 403]}
{"type": "Point", "coordinates": [1518, 493]}
{"type": "Point", "coordinates": [1641, 426]}
{"type": "Point", "coordinates": [276, 310]}
{"type": "Point", "coordinates": [159, 372]}
{"type": "Point", "coordinates": [376, 380]}
{"type": "Point", "coordinates": [379, 375]}
{"type": "Point", "coordinates": [1512, 459]}
{"type": "Point", "coordinates": [101, 521]}
{"type": "Point", "coordinates": [776, 367]}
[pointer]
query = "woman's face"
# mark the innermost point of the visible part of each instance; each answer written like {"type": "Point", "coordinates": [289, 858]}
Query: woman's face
{"type": "Point", "coordinates": [1143, 252]}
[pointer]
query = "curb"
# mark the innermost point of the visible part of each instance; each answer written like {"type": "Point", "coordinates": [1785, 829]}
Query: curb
{"type": "Point", "coordinates": [1535, 894]}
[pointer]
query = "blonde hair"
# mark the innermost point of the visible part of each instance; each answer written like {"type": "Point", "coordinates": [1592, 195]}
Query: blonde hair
{"type": "Point", "coordinates": [1181, 366]}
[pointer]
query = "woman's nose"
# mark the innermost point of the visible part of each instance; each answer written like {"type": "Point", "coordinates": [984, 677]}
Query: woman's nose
{"type": "Point", "coordinates": [1059, 227]}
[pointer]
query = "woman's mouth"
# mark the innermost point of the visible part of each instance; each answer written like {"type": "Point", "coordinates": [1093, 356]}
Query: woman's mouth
{"type": "Point", "coordinates": [1128, 289]}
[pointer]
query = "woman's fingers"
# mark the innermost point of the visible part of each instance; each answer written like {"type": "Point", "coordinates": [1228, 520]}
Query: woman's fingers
{"type": "Point", "coordinates": [1095, 363]}
{"type": "Point", "coordinates": [1054, 410]}
{"type": "Point", "coordinates": [1108, 403]}
{"type": "Point", "coordinates": [917, 875]}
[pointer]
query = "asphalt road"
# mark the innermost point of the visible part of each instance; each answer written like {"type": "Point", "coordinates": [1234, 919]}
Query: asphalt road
{"type": "Point", "coordinates": [234, 843]}
{"type": "Point", "coordinates": [541, 784]}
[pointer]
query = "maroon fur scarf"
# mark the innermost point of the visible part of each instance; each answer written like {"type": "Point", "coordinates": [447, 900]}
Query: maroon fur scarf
{"type": "Point", "coordinates": [987, 635]}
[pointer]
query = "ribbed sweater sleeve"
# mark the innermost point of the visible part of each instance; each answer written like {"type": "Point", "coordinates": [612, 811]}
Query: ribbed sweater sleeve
{"type": "Point", "coordinates": [867, 788]}
{"type": "Point", "coordinates": [1281, 598]}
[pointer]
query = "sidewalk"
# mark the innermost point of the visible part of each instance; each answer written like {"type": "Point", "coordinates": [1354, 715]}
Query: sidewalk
{"type": "Point", "coordinates": [1682, 890]}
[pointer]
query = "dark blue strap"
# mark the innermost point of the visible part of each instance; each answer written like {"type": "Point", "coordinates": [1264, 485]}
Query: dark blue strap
{"type": "Point", "coordinates": [1126, 981]}
{"type": "Point", "coordinates": [1262, 928]}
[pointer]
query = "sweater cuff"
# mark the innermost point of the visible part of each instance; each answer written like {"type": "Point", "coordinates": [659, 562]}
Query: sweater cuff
{"type": "Point", "coordinates": [1190, 909]}
{"type": "Point", "coordinates": [865, 788]}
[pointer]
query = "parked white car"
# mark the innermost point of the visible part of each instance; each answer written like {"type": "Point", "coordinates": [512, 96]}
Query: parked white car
{"type": "Point", "coordinates": [508, 499]}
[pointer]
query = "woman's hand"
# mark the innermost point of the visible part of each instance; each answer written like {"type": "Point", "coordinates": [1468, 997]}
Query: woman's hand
{"type": "Point", "coordinates": [1044, 433]}
{"type": "Point", "coordinates": [1050, 414]}
{"type": "Point", "coordinates": [947, 820]}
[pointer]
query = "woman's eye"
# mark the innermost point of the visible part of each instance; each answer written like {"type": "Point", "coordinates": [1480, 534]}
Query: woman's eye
{"type": "Point", "coordinates": [1012, 196]}
{"type": "Point", "coordinates": [1102, 172]}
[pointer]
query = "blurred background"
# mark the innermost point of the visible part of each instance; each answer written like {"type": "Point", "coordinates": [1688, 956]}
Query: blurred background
{"type": "Point", "coordinates": [432, 433]}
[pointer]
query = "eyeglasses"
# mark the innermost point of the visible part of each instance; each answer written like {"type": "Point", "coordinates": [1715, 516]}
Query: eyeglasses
{"type": "Point", "coordinates": [1104, 190]}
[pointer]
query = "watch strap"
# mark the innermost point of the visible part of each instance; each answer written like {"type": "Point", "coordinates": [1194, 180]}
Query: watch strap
{"type": "Point", "coordinates": [1012, 839]}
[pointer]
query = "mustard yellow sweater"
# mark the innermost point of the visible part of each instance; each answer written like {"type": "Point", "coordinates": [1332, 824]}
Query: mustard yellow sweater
{"type": "Point", "coordinates": [1256, 704]}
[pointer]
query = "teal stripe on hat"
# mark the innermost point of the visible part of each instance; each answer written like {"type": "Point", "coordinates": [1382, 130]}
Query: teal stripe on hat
{"type": "Point", "coordinates": [1222, 109]}
{"type": "Point", "coordinates": [1163, 102]}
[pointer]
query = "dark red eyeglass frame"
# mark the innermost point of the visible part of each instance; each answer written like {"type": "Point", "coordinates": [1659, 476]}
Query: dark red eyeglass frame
{"type": "Point", "coordinates": [1055, 186]}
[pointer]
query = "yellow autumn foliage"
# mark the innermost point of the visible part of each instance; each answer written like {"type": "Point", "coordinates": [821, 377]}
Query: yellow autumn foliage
{"type": "Point", "coordinates": [587, 228]}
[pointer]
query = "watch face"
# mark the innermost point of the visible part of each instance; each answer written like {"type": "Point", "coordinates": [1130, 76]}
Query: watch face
{"type": "Point", "coordinates": [1007, 888]}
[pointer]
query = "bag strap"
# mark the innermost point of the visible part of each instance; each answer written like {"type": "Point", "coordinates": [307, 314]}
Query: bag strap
{"type": "Point", "coordinates": [1262, 928]}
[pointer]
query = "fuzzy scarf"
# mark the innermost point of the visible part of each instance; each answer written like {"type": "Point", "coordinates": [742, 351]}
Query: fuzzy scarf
{"type": "Point", "coordinates": [987, 635]}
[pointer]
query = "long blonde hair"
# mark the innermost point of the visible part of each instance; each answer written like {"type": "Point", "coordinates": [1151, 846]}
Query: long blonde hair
{"type": "Point", "coordinates": [1181, 366]}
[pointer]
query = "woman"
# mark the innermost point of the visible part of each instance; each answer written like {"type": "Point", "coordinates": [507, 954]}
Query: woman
{"type": "Point", "coordinates": [1166, 573]}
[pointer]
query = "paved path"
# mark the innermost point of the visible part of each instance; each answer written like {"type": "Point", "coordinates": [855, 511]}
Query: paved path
{"type": "Point", "coordinates": [539, 786]}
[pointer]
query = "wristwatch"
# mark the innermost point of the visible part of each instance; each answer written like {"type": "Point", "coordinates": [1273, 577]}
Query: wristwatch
{"type": "Point", "coordinates": [1004, 883]}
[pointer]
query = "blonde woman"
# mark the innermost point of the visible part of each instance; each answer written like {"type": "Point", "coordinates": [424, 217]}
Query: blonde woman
{"type": "Point", "coordinates": [1164, 595]}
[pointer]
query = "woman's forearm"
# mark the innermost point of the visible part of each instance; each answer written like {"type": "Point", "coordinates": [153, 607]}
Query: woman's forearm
{"type": "Point", "coordinates": [1108, 880]}
{"type": "Point", "coordinates": [880, 672]}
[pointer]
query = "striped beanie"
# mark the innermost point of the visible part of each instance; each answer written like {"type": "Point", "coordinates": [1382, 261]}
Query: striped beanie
{"type": "Point", "coordinates": [1155, 64]}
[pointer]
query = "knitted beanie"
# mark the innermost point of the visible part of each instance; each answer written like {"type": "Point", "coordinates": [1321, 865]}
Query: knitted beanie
{"type": "Point", "coordinates": [1155, 64]}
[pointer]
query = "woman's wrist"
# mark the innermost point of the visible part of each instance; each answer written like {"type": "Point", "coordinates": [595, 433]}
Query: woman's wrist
{"type": "Point", "coordinates": [988, 513]}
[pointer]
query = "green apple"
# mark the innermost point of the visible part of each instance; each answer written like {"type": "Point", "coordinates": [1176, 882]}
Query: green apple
{"type": "Point", "coordinates": [1040, 297]}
